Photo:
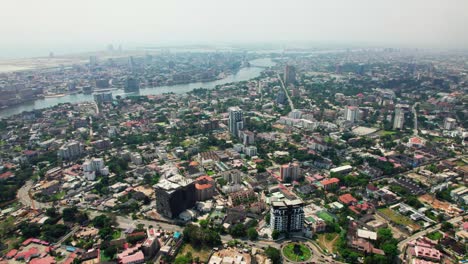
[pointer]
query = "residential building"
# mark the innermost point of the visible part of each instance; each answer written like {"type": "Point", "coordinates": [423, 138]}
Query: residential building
{"type": "Point", "coordinates": [290, 172]}
{"type": "Point", "coordinates": [204, 188]}
{"type": "Point", "coordinates": [399, 119]}
{"type": "Point", "coordinates": [449, 123]}
{"type": "Point", "coordinates": [352, 113]}
{"type": "Point", "coordinates": [287, 216]}
{"type": "Point", "coordinates": [250, 151]}
{"type": "Point", "coordinates": [71, 150]}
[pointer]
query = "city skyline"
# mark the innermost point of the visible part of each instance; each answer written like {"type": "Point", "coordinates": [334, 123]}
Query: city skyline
{"type": "Point", "coordinates": [34, 28]}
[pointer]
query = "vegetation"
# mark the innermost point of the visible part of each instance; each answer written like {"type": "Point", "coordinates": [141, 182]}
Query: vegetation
{"type": "Point", "coordinates": [274, 254]}
{"type": "Point", "coordinates": [297, 252]}
{"type": "Point", "coordinates": [199, 237]}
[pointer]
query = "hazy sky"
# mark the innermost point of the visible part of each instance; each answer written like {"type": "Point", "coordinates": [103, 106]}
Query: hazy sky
{"type": "Point", "coordinates": [26, 24]}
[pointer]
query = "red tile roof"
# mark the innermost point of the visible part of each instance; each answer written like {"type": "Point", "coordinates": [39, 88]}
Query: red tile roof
{"type": "Point", "coordinates": [330, 181]}
{"type": "Point", "coordinates": [11, 253]}
{"type": "Point", "coordinates": [347, 199]}
{"type": "Point", "coordinates": [46, 260]}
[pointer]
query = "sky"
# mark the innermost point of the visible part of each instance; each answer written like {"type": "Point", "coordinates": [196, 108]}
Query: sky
{"type": "Point", "coordinates": [67, 25]}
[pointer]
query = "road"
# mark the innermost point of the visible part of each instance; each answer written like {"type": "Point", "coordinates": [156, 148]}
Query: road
{"type": "Point", "coordinates": [404, 242]}
{"type": "Point", "coordinates": [415, 113]}
{"type": "Point", "coordinates": [286, 92]}
{"type": "Point", "coordinates": [23, 197]}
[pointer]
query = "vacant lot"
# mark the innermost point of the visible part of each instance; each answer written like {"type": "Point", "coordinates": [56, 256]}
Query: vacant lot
{"type": "Point", "coordinates": [399, 219]}
{"type": "Point", "coordinates": [328, 241]}
{"type": "Point", "coordinates": [203, 254]}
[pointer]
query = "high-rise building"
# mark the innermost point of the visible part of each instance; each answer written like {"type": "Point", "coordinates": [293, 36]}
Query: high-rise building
{"type": "Point", "coordinates": [352, 113]}
{"type": "Point", "coordinates": [449, 123]}
{"type": "Point", "coordinates": [102, 83]}
{"type": "Point", "coordinates": [92, 61]}
{"type": "Point", "coordinates": [132, 85]}
{"type": "Point", "coordinates": [295, 114]}
{"type": "Point", "coordinates": [71, 150]}
{"type": "Point", "coordinates": [289, 74]}
{"type": "Point", "coordinates": [100, 98]}
{"type": "Point", "coordinates": [131, 62]}
{"type": "Point", "coordinates": [290, 172]}
{"type": "Point", "coordinates": [287, 216]}
{"type": "Point", "coordinates": [399, 119]}
{"type": "Point", "coordinates": [174, 195]}
{"type": "Point", "coordinates": [281, 97]}
{"type": "Point", "coordinates": [236, 120]}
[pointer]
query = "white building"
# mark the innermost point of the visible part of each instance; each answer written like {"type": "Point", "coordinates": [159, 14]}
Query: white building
{"type": "Point", "coordinates": [449, 123]}
{"type": "Point", "coordinates": [70, 150]}
{"type": "Point", "coordinates": [90, 167]}
{"type": "Point", "coordinates": [399, 120]}
{"type": "Point", "coordinates": [352, 114]}
{"type": "Point", "coordinates": [250, 151]}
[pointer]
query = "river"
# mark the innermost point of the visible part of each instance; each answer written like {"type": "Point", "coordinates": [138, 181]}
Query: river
{"type": "Point", "coordinates": [244, 74]}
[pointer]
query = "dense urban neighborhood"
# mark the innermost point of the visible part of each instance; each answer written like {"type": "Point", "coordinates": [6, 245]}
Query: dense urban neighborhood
{"type": "Point", "coordinates": [325, 156]}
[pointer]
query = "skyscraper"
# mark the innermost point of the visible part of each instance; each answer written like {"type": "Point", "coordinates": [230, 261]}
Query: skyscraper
{"type": "Point", "coordinates": [289, 74]}
{"type": "Point", "coordinates": [236, 120]}
{"type": "Point", "coordinates": [287, 216]}
{"type": "Point", "coordinates": [399, 119]}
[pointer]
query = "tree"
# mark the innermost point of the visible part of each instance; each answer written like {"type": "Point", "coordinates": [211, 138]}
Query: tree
{"type": "Point", "coordinates": [446, 226]}
{"type": "Point", "coordinates": [101, 221]}
{"type": "Point", "coordinates": [383, 235]}
{"type": "Point", "coordinates": [238, 230]}
{"type": "Point", "coordinates": [30, 230]}
{"type": "Point", "coordinates": [252, 233]}
{"type": "Point", "coordinates": [203, 223]}
{"type": "Point", "coordinates": [110, 251]}
{"type": "Point", "coordinates": [274, 254]}
{"type": "Point", "coordinates": [275, 234]}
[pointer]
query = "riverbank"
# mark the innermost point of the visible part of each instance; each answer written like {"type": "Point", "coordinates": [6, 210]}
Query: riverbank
{"type": "Point", "coordinates": [244, 74]}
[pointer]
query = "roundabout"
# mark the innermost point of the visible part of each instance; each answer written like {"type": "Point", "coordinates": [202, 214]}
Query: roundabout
{"type": "Point", "coordinates": [296, 252]}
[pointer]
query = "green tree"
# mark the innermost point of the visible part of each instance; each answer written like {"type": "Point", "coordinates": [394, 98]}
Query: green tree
{"type": "Point", "coordinates": [274, 254]}
{"type": "Point", "coordinates": [238, 230]}
{"type": "Point", "coordinates": [275, 234]}
{"type": "Point", "coordinates": [252, 233]}
{"type": "Point", "coordinates": [110, 251]}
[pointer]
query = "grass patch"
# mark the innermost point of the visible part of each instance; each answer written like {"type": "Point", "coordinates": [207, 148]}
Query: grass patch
{"type": "Point", "coordinates": [302, 254]}
{"type": "Point", "coordinates": [399, 219]}
{"type": "Point", "coordinates": [325, 216]}
{"type": "Point", "coordinates": [387, 133]}
{"type": "Point", "coordinates": [434, 235]}
{"type": "Point", "coordinates": [203, 254]}
{"type": "Point", "coordinates": [104, 258]}
{"type": "Point", "coordinates": [116, 235]}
